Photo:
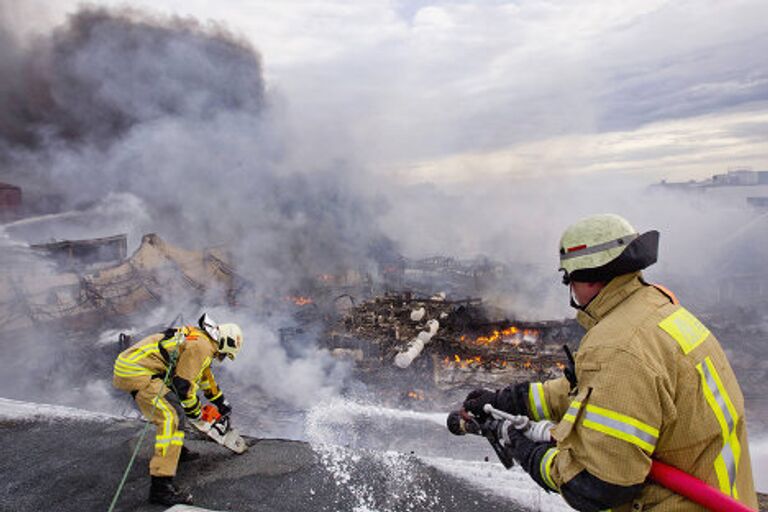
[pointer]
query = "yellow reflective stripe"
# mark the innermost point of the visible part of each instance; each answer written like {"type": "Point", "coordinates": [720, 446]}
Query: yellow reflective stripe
{"type": "Point", "coordinates": [149, 349]}
{"type": "Point", "coordinates": [129, 367]}
{"type": "Point", "coordinates": [168, 414]}
{"type": "Point", "coordinates": [545, 467]}
{"type": "Point", "coordinates": [572, 412]}
{"type": "Point", "coordinates": [216, 396]}
{"type": "Point", "coordinates": [621, 427]}
{"type": "Point", "coordinates": [206, 364]}
{"type": "Point", "coordinates": [538, 402]}
{"type": "Point", "coordinates": [130, 374]}
{"type": "Point", "coordinates": [178, 438]}
{"type": "Point", "coordinates": [686, 329]}
{"type": "Point", "coordinates": [719, 401]}
{"type": "Point", "coordinates": [162, 441]}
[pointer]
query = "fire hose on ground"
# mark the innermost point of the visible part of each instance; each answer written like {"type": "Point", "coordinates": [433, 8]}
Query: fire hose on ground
{"type": "Point", "coordinates": [461, 422]}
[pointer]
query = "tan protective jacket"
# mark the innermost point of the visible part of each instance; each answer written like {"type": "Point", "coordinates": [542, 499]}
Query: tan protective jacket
{"type": "Point", "coordinates": [652, 382]}
{"type": "Point", "coordinates": [148, 358]}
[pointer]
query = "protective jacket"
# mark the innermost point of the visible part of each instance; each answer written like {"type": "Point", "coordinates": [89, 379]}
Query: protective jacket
{"type": "Point", "coordinates": [652, 382]}
{"type": "Point", "coordinates": [141, 370]}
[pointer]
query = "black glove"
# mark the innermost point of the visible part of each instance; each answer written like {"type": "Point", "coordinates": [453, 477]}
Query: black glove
{"type": "Point", "coordinates": [511, 399]}
{"type": "Point", "coordinates": [223, 405]}
{"type": "Point", "coordinates": [527, 453]}
{"type": "Point", "coordinates": [476, 400]}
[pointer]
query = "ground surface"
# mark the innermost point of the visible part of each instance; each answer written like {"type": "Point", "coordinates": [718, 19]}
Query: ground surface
{"type": "Point", "coordinates": [75, 465]}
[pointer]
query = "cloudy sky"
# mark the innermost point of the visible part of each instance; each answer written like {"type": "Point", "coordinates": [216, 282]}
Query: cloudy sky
{"type": "Point", "coordinates": [459, 90]}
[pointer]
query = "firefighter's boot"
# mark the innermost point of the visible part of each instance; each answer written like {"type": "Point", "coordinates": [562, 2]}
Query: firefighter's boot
{"type": "Point", "coordinates": [164, 492]}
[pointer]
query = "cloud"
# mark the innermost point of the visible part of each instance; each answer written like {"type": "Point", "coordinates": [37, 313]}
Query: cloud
{"type": "Point", "coordinates": [396, 83]}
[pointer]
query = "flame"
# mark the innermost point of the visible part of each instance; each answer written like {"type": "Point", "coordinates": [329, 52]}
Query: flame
{"type": "Point", "coordinates": [561, 366]}
{"type": "Point", "coordinates": [416, 394]}
{"type": "Point", "coordinates": [299, 300]}
{"type": "Point", "coordinates": [505, 335]}
{"type": "Point", "coordinates": [326, 278]}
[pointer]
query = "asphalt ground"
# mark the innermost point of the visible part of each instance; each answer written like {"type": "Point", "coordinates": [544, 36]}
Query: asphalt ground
{"type": "Point", "coordinates": [76, 464]}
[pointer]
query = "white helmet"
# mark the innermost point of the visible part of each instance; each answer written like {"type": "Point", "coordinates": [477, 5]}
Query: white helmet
{"type": "Point", "coordinates": [230, 340]}
{"type": "Point", "coordinates": [601, 247]}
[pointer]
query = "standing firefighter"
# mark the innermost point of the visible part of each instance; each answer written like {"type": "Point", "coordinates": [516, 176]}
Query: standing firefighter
{"type": "Point", "coordinates": [650, 381]}
{"type": "Point", "coordinates": [178, 360]}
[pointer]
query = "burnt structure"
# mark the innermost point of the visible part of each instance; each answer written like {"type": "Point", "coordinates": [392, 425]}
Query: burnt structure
{"type": "Point", "coordinates": [467, 348]}
{"type": "Point", "coordinates": [70, 254]}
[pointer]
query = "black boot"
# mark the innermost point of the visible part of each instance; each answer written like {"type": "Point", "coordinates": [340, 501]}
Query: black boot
{"type": "Point", "coordinates": [188, 455]}
{"type": "Point", "coordinates": [163, 492]}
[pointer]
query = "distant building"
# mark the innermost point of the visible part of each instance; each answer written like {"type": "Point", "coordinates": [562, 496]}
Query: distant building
{"type": "Point", "coordinates": [10, 201]}
{"type": "Point", "coordinates": [735, 185]}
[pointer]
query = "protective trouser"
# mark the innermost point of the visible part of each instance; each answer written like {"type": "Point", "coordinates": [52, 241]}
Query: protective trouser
{"type": "Point", "coordinates": [168, 438]}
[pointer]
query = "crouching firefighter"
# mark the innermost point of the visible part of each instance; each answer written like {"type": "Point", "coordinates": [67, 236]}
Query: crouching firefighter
{"type": "Point", "coordinates": [650, 387]}
{"type": "Point", "coordinates": [176, 360]}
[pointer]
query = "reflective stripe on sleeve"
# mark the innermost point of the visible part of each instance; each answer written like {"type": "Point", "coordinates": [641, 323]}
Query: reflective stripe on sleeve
{"type": "Point", "coordinates": [537, 402]}
{"type": "Point", "coordinates": [727, 461]}
{"type": "Point", "coordinates": [545, 468]}
{"type": "Point", "coordinates": [572, 412]}
{"type": "Point", "coordinates": [686, 329]}
{"type": "Point", "coordinates": [621, 426]}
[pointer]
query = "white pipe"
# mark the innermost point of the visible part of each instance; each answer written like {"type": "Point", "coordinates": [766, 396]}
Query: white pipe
{"type": "Point", "coordinates": [404, 359]}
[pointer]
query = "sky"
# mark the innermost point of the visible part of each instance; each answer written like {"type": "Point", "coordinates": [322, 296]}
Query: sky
{"type": "Point", "coordinates": [452, 91]}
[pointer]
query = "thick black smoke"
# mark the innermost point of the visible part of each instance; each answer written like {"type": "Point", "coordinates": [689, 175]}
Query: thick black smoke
{"type": "Point", "coordinates": [177, 115]}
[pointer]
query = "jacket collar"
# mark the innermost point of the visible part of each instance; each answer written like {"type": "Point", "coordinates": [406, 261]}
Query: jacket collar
{"type": "Point", "coordinates": [615, 292]}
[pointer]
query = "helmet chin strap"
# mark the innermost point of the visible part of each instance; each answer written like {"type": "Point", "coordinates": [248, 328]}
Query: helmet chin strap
{"type": "Point", "coordinates": [576, 305]}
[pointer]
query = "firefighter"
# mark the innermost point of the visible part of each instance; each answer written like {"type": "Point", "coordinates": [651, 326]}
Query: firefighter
{"type": "Point", "coordinates": [141, 370]}
{"type": "Point", "coordinates": [650, 381]}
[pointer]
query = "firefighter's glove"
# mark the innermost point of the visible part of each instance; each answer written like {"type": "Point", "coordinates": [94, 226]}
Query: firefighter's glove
{"type": "Point", "coordinates": [223, 405]}
{"type": "Point", "coordinates": [477, 399]}
{"type": "Point", "coordinates": [511, 399]}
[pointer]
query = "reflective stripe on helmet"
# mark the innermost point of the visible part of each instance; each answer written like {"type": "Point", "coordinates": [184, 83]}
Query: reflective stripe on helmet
{"type": "Point", "coordinates": [583, 250]}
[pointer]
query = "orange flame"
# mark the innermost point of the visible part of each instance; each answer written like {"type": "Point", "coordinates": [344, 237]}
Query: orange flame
{"type": "Point", "coordinates": [299, 300]}
{"type": "Point", "coordinates": [416, 394]}
{"type": "Point", "coordinates": [505, 334]}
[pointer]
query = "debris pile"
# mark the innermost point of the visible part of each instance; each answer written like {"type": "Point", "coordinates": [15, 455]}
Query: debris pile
{"type": "Point", "coordinates": [454, 339]}
{"type": "Point", "coordinates": [156, 271]}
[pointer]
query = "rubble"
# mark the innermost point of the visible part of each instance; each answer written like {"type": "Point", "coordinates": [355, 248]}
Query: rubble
{"type": "Point", "coordinates": [157, 270]}
{"type": "Point", "coordinates": [463, 346]}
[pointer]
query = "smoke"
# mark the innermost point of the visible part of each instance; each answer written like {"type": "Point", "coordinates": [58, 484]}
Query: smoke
{"type": "Point", "coordinates": [148, 123]}
{"type": "Point", "coordinates": [142, 123]}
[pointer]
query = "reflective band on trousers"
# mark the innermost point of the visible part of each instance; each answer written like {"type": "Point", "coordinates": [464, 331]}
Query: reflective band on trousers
{"type": "Point", "coordinates": [169, 435]}
{"type": "Point", "coordinates": [717, 397]}
{"type": "Point", "coordinates": [537, 402]}
{"type": "Point", "coordinates": [617, 425]}
{"type": "Point", "coordinates": [597, 248]}
{"type": "Point", "coordinates": [545, 467]}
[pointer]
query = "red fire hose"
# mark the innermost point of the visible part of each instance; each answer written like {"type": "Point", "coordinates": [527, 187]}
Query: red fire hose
{"type": "Point", "coordinates": [694, 489]}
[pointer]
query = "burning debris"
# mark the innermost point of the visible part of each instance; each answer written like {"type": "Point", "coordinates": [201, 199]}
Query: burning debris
{"type": "Point", "coordinates": [463, 345]}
